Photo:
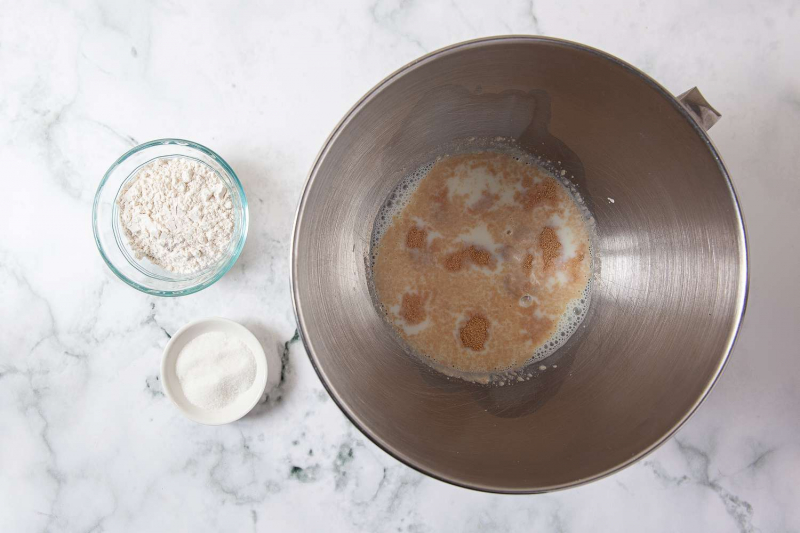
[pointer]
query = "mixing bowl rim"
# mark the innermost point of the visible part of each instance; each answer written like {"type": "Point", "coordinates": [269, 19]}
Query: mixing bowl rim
{"type": "Point", "coordinates": [742, 282]}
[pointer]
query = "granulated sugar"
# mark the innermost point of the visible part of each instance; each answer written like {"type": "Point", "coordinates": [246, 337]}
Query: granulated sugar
{"type": "Point", "coordinates": [215, 369]}
{"type": "Point", "coordinates": [177, 213]}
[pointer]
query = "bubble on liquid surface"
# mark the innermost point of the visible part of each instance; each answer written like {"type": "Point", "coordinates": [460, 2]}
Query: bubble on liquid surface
{"type": "Point", "coordinates": [395, 203]}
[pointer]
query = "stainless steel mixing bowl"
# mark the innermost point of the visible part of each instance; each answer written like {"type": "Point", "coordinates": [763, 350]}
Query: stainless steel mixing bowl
{"type": "Point", "coordinates": [668, 297]}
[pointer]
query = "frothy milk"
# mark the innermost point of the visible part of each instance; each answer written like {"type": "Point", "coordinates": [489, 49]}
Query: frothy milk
{"type": "Point", "coordinates": [482, 263]}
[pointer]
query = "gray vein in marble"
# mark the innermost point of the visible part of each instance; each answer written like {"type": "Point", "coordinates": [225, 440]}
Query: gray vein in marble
{"type": "Point", "coordinates": [51, 331]}
{"type": "Point", "coordinates": [124, 137]}
{"type": "Point", "coordinates": [22, 280]}
{"type": "Point", "coordinates": [95, 65]}
{"type": "Point", "coordinates": [407, 482]}
{"type": "Point", "coordinates": [98, 526]}
{"type": "Point", "coordinates": [761, 459]}
{"type": "Point", "coordinates": [623, 486]}
{"type": "Point", "coordinates": [383, 16]}
{"type": "Point", "coordinates": [9, 371]}
{"type": "Point", "coordinates": [306, 474]}
{"type": "Point", "coordinates": [153, 386]}
{"type": "Point", "coordinates": [557, 523]}
{"type": "Point", "coordinates": [664, 476]}
{"type": "Point", "coordinates": [151, 319]}
{"type": "Point", "coordinates": [242, 493]}
{"type": "Point", "coordinates": [56, 161]}
{"type": "Point", "coordinates": [700, 465]}
{"type": "Point", "coordinates": [344, 457]}
{"type": "Point", "coordinates": [276, 394]}
{"type": "Point", "coordinates": [381, 483]}
{"type": "Point", "coordinates": [89, 329]}
{"type": "Point", "coordinates": [534, 18]}
{"type": "Point", "coordinates": [52, 470]}
{"type": "Point", "coordinates": [457, 9]}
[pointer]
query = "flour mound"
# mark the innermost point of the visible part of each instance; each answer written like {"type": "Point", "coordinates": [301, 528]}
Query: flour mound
{"type": "Point", "coordinates": [177, 213]}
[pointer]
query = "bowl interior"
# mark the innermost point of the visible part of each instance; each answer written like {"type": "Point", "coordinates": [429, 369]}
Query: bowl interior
{"type": "Point", "coordinates": [667, 297]}
{"type": "Point", "coordinates": [141, 273]}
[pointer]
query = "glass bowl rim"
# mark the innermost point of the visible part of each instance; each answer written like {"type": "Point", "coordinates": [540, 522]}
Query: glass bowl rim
{"type": "Point", "coordinates": [239, 245]}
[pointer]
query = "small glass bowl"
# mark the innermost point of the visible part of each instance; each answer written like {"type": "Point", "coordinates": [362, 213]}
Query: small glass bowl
{"type": "Point", "coordinates": [142, 274]}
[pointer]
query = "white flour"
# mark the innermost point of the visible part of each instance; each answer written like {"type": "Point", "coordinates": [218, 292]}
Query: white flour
{"type": "Point", "coordinates": [214, 369]}
{"type": "Point", "coordinates": [177, 213]}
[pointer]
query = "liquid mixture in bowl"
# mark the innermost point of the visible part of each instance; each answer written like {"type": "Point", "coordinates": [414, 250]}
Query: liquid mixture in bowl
{"type": "Point", "coordinates": [482, 263]}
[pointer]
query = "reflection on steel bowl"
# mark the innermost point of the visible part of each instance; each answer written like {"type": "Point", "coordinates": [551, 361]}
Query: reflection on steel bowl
{"type": "Point", "coordinates": [670, 279]}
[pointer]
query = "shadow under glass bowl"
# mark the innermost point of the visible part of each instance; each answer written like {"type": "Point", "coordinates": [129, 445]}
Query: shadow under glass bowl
{"type": "Point", "coordinates": [668, 293]}
{"type": "Point", "coordinates": [141, 274]}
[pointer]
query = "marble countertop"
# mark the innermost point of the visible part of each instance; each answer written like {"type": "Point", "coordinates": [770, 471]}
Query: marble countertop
{"type": "Point", "coordinates": [89, 442]}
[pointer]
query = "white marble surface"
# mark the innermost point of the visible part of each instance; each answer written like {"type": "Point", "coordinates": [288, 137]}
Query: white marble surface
{"type": "Point", "coordinates": [88, 442]}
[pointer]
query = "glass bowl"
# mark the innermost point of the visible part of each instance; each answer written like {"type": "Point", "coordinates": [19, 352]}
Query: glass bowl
{"type": "Point", "coordinates": [142, 274]}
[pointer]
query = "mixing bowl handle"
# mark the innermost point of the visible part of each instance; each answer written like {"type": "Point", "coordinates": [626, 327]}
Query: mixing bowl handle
{"type": "Point", "coordinates": [702, 112]}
